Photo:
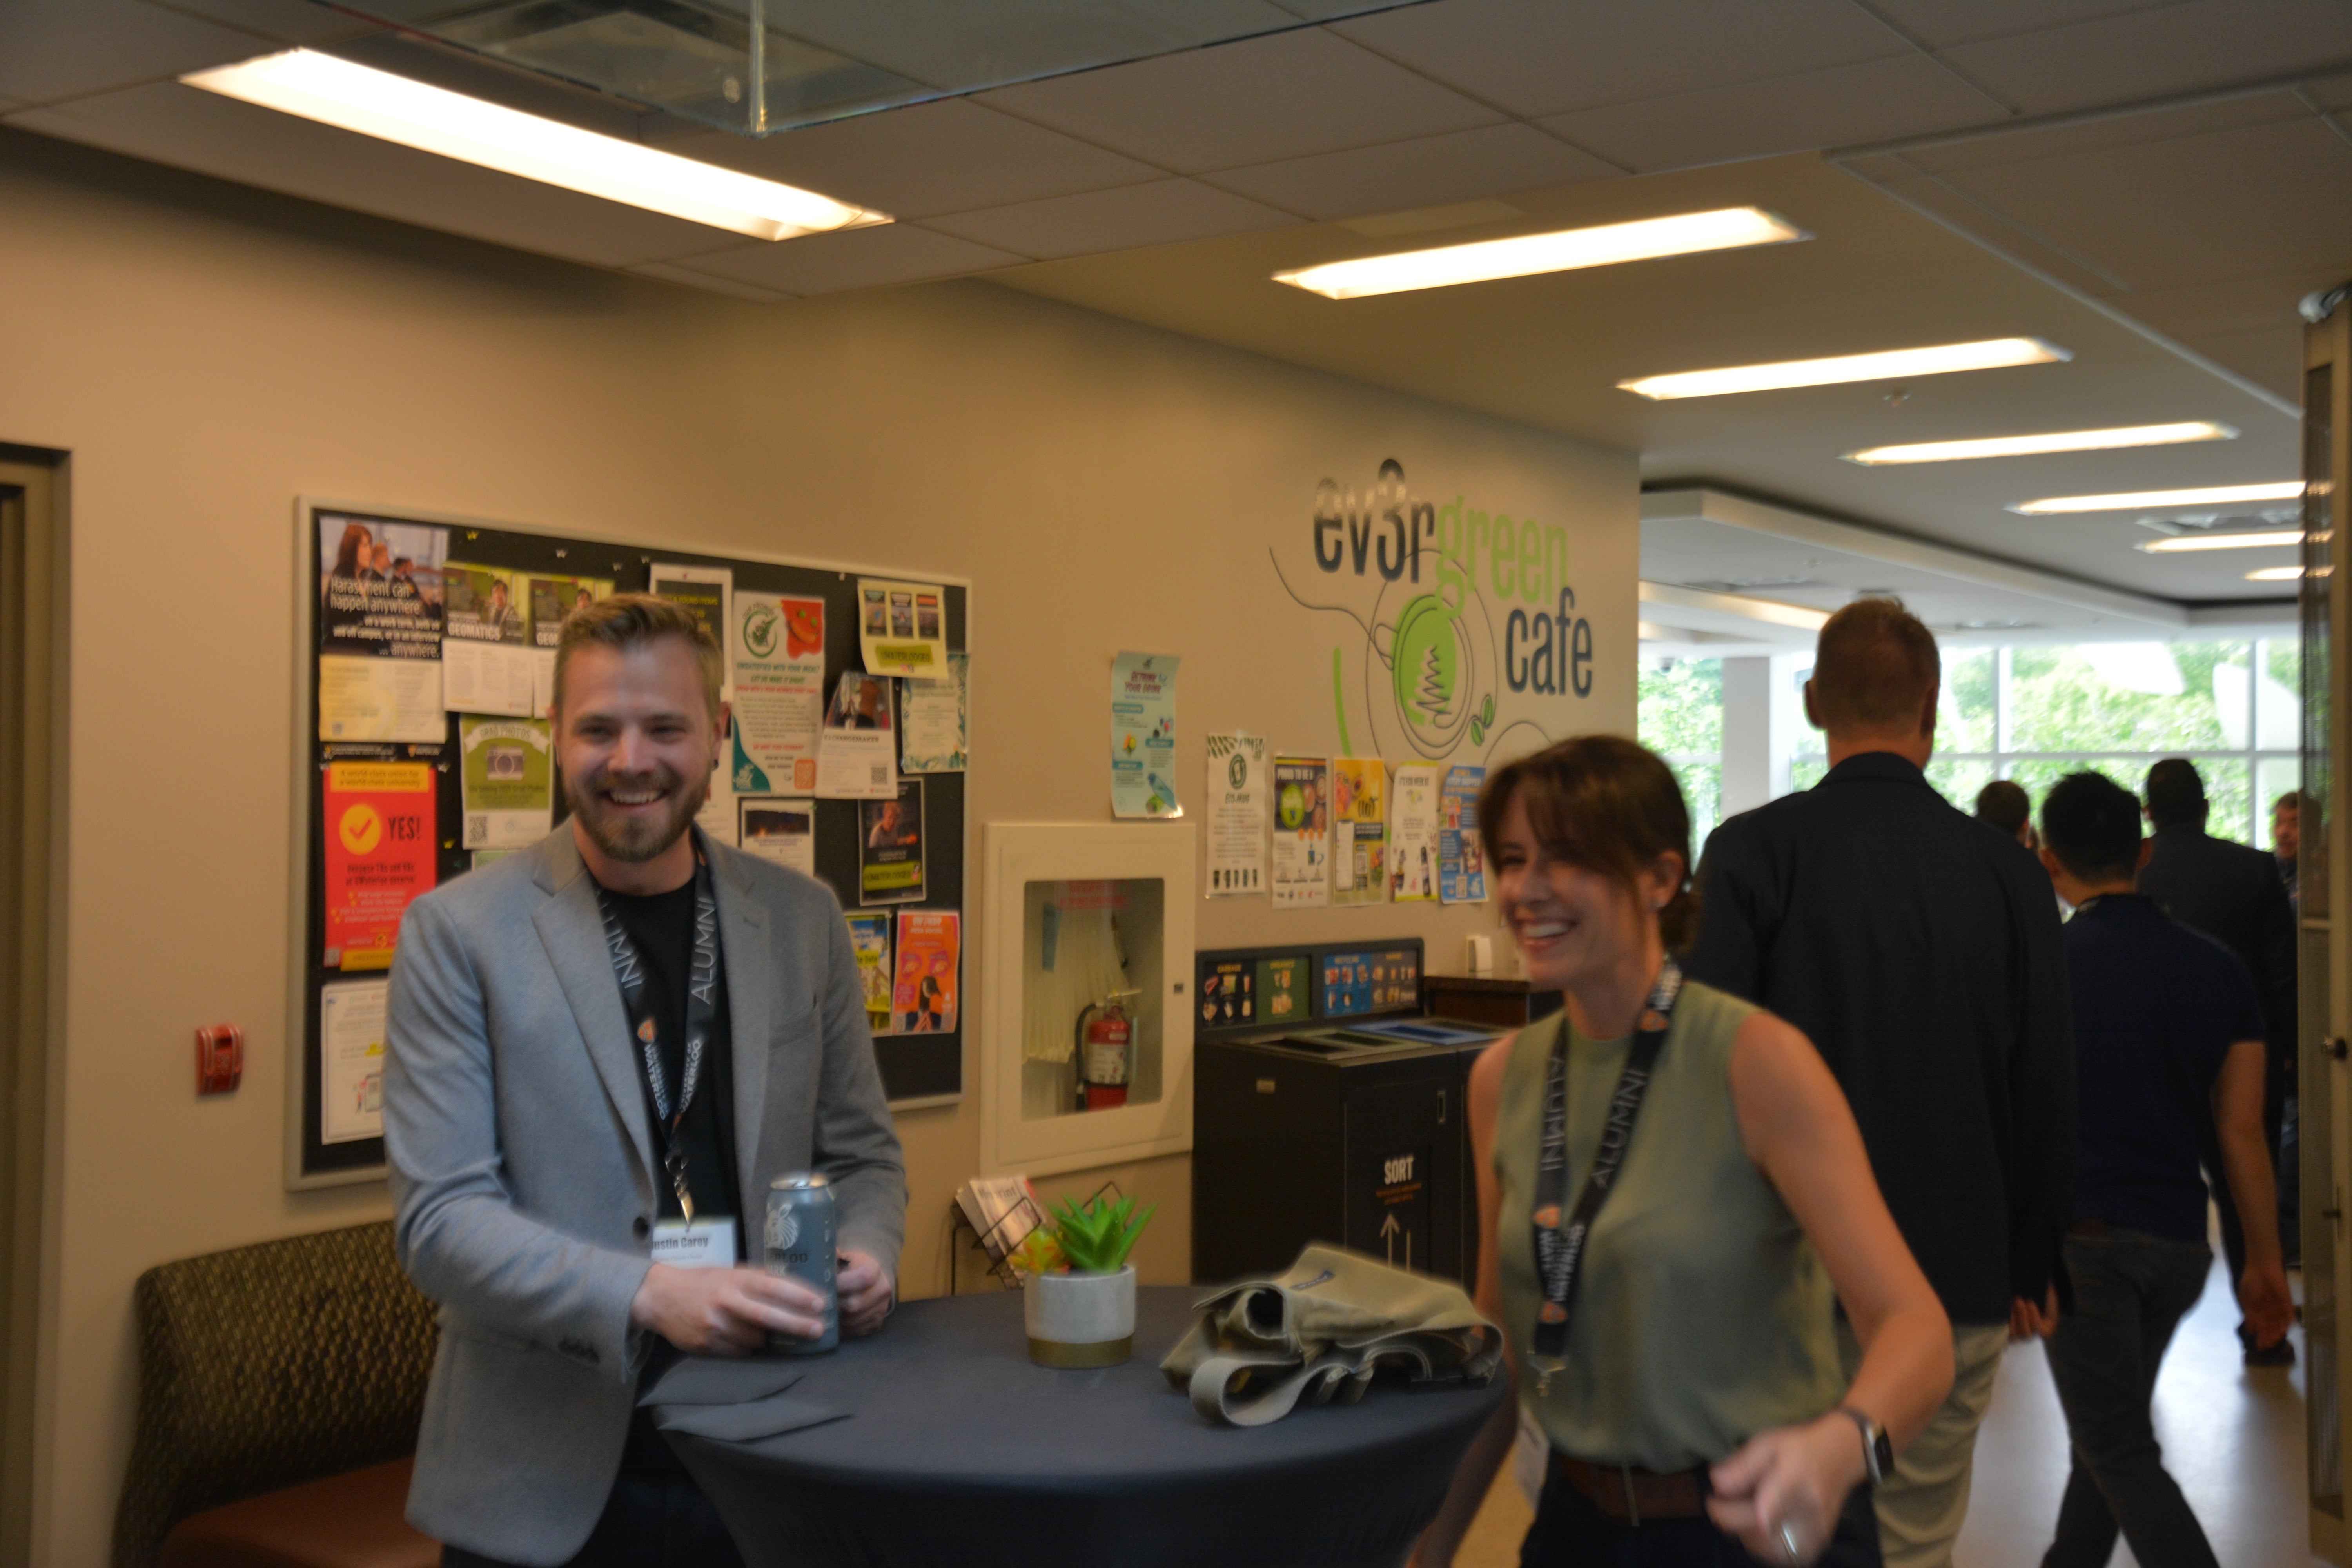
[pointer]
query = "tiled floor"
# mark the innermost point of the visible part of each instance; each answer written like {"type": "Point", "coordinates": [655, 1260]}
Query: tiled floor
{"type": "Point", "coordinates": [2232, 1436]}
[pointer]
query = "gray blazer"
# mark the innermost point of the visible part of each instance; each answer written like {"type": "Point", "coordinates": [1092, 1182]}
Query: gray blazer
{"type": "Point", "coordinates": [523, 1164]}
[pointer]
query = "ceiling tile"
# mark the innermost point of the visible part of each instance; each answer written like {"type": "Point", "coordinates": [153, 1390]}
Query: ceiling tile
{"type": "Point", "coordinates": [2269, 357]}
{"type": "Point", "coordinates": [1941, 22]}
{"type": "Point", "coordinates": [853, 259]}
{"type": "Point", "coordinates": [2263, 303]}
{"type": "Point", "coordinates": [1547, 56]}
{"type": "Point", "coordinates": [2331, 93]}
{"type": "Point", "coordinates": [2262, 198]}
{"type": "Point", "coordinates": [1164, 213]}
{"type": "Point", "coordinates": [1867, 102]}
{"type": "Point", "coordinates": [1459, 167]}
{"type": "Point", "coordinates": [2148, 54]}
{"type": "Point", "coordinates": [670, 272]}
{"type": "Point", "coordinates": [1939, 200]}
{"type": "Point", "coordinates": [1289, 96]}
{"type": "Point", "coordinates": [52, 49]}
{"type": "Point", "coordinates": [285, 21]}
{"type": "Point", "coordinates": [952, 155]}
{"type": "Point", "coordinates": [2026, 143]}
{"type": "Point", "coordinates": [189, 129]}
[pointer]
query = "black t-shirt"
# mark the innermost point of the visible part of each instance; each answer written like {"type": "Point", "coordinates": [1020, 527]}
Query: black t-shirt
{"type": "Point", "coordinates": [2156, 1008]}
{"type": "Point", "coordinates": [661, 927]}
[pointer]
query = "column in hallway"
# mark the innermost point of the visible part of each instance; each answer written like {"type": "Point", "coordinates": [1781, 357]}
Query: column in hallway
{"type": "Point", "coordinates": [1761, 717]}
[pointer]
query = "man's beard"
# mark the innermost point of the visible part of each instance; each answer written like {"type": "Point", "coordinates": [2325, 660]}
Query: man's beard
{"type": "Point", "coordinates": [632, 840]}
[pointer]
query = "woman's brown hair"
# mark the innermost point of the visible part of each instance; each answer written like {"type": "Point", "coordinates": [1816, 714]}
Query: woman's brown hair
{"type": "Point", "coordinates": [1608, 805]}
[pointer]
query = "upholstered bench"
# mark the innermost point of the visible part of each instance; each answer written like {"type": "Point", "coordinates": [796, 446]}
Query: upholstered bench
{"type": "Point", "coordinates": [280, 1389]}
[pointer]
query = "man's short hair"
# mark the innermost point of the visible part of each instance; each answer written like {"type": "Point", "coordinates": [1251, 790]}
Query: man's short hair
{"type": "Point", "coordinates": [2003, 804]}
{"type": "Point", "coordinates": [2291, 801]}
{"type": "Point", "coordinates": [1874, 667]}
{"type": "Point", "coordinates": [2092, 824]}
{"type": "Point", "coordinates": [2176, 793]}
{"type": "Point", "coordinates": [626, 621]}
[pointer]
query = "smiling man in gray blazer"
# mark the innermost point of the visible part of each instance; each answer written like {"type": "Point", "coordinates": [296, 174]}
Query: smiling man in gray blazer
{"type": "Point", "coordinates": [600, 1051]}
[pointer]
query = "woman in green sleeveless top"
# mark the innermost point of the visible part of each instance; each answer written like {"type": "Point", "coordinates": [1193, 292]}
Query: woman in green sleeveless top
{"type": "Point", "coordinates": [1672, 1193]}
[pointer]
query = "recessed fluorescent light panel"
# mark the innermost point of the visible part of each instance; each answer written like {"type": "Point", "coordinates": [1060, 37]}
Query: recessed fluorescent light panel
{"type": "Point", "coordinates": [2253, 538]}
{"type": "Point", "coordinates": [2151, 500]}
{"type": "Point", "coordinates": [1891, 365]}
{"type": "Point", "coordinates": [2278, 574]}
{"type": "Point", "coordinates": [1565, 250]}
{"type": "Point", "coordinates": [2050, 441]}
{"type": "Point", "coordinates": [432, 120]}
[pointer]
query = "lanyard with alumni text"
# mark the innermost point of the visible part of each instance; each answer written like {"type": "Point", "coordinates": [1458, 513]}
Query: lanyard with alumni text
{"type": "Point", "coordinates": [1559, 1244]}
{"type": "Point", "coordinates": [701, 1006]}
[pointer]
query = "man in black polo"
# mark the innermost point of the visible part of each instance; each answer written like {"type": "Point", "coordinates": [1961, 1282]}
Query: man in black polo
{"type": "Point", "coordinates": [1918, 949]}
{"type": "Point", "coordinates": [2168, 1053]}
{"type": "Point", "coordinates": [2233, 894]}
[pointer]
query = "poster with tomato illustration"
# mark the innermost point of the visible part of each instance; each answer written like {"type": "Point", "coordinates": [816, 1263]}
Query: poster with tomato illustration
{"type": "Point", "coordinates": [775, 658]}
{"type": "Point", "coordinates": [380, 821]}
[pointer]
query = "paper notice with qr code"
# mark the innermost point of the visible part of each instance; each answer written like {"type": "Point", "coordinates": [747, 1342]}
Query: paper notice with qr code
{"type": "Point", "coordinates": [857, 758]}
{"type": "Point", "coordinates": [510, 788]}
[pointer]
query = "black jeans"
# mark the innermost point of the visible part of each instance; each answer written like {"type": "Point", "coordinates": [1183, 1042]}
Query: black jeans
{"type": "Point", "coordinates": [655, 1517]}
{"type": "Point", "coordinates": [2130, 1292]}
{"type": "Point", "coordinates": [1570, 1532]}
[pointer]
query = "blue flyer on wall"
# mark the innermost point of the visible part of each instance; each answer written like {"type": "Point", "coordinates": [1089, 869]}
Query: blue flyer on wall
{"type": "Point", "coordinates": [1461, 857]}
{"type": "Point", "coordinates": [1143, 735]}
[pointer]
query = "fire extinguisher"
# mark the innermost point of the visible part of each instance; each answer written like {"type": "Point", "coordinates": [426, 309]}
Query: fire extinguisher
{"type": "Point", "coordinates": [1106, 1037]}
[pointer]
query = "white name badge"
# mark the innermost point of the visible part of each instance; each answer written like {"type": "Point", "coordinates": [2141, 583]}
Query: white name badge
{"type": "Point", "coordinates": [702, 1244]}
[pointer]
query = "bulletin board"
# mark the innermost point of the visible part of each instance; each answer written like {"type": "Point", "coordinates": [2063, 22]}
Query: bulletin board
{"type": "Point", "coordinates": [917, 1068]}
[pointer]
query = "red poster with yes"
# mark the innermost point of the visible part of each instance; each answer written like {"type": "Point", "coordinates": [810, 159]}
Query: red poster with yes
{"type": "Point", "coordinates": [380, 821]}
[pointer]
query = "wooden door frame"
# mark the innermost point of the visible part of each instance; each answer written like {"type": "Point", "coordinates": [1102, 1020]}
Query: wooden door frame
{"type": "Point", "coordinates": [34, 624]}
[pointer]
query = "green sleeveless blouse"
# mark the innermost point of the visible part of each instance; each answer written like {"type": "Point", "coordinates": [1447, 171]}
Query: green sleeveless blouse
{"type": "Point", "coordinates": [1703, 1315]}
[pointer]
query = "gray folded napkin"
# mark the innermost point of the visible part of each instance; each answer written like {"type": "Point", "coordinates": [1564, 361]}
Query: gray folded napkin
{"type": "Point", "coordinates": [722, 1380]}
{"type": "Point", "coordinates": [746, 1422]}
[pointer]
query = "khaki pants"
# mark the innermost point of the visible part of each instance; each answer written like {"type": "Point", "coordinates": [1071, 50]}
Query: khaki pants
{"type": "Point", "coordinates": [1923, 1502]}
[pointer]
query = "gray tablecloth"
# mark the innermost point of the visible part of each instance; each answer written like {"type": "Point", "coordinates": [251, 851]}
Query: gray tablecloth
{"type": "Point", "coordinates": [956, 1450]}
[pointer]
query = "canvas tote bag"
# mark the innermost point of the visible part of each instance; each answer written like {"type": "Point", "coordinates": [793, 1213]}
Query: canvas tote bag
{"type": "Point", "coordinates": [1320, 1329]}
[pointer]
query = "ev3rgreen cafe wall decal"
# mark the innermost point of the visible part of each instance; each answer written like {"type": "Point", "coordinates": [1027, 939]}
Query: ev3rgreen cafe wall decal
{"type": "Point", "coordinates": [1471, 642]}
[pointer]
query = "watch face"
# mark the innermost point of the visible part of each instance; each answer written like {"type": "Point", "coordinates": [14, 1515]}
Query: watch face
{"type": "Point", "coordinates": [1882, 1456]}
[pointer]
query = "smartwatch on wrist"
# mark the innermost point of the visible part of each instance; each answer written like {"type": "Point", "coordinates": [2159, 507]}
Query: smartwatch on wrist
{"type": "Point", "coordinates": [1877, 1450]}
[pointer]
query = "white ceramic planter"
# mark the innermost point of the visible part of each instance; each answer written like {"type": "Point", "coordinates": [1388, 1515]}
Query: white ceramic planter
{"type": "Point", "coordinates": [1080, 1319]}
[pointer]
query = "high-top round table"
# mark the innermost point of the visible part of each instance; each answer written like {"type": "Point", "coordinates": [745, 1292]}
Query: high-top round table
{"type": "Point", "coordinates": [960, 1452]}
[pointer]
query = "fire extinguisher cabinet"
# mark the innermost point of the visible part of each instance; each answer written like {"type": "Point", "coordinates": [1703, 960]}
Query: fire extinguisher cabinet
{"type": "Point", "coordinates": [1088, 945]}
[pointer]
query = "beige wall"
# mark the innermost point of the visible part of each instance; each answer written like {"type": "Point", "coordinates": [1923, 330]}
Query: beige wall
{"type": "Point", "coordinates": [205, 355]}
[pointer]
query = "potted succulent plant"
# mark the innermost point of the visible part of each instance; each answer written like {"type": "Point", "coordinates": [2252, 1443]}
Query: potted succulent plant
{"type": "Point", "coordinates": [1079, 1301]}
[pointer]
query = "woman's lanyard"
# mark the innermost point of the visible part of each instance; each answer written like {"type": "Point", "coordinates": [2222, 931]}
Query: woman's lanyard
{"type": "Point", "coordinates": [701, 1006]}
{"type": "Point", "coordinates": [1560, 1249]}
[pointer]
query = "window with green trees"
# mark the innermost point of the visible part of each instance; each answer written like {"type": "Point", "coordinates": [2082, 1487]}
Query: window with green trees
{"type": "Point", "coordinates": [1682, 720]}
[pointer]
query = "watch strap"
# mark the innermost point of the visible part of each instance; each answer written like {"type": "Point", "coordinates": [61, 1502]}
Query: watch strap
{"type": "Point", "coordinates": [1877, 1450]}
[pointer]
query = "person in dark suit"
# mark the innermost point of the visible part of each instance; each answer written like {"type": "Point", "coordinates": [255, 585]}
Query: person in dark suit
{"type": "Point", "coordinates": [2233, 894]}
{"type": "Point", "coordinates": [1918, 949]}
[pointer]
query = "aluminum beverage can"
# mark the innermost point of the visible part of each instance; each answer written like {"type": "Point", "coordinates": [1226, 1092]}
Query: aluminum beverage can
{"type": "Point", "coordinates": [799, 1236]}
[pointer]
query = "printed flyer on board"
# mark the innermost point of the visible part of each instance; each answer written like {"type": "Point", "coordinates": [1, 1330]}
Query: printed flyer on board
{"type": "Point", "coordinates": [1237, 803]}
{"type": "Point", "coordinates": [1413, 821]}
{"type": "Point", "coordinates": [775, 659]}
{"type": "Point", "coordinates": [1460, 858]}
{"type": "Point", "coordinates": [775, 829]}
{"type": "Point", "coordinates": [890, 847]}
{"type": "Point", "coordinates": [380, 629]}
{"type": "Point", "coordinates": [929, 943]}
{"type": "Point", "coordinates": [1360, 867]}
{"type": "Point", "coordinates": [379, 818]}
{"type": "Point", "coordinates": [508, 781]}
{"type": "Point", "coordinates": [933, 720]}
{"type": "Point", "coordinates": [869, 940]}
{"type": "Point", "coordinates": [351, 1059]}
{"type": "Point", "coordinates": [855, 759]}
{"type": "Point", "coordinates": [487, 662]}
{"type": "Point", "coordinates": [1143, 735]}
{"type": "Point", "coordinates": [902, 628]}
{"type": "Point", "coordinates": [1302, 833]}
{"type": "Point", "coordinates": [702, 589]}
{"type": "Point", "coordinates": [549, 601]}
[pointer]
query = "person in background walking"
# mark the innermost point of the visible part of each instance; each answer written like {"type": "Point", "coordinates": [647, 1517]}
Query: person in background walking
{"type": "Point", "coordinates": [2233, 894]}
{"type": "Point", "coordinates": [2169, 1052]}
{"type": "Point", "coordinates": [1918, 950]}
{"type": "Point", "coordinates": [2003, 804]}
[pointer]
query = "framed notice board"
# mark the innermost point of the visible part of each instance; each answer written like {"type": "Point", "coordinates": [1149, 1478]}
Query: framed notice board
{"type": "Point", "coordinates": [396, 610]}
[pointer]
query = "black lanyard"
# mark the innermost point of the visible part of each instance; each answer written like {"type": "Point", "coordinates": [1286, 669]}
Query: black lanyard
{"type": "Point", "coordinates": [1559, 1247]}
{"type": "Point", "coordinates": [701, 1006]}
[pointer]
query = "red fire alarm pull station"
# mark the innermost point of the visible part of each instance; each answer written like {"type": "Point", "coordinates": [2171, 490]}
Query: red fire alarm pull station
{"type": "Point", "coordinates": [220, 1058]}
